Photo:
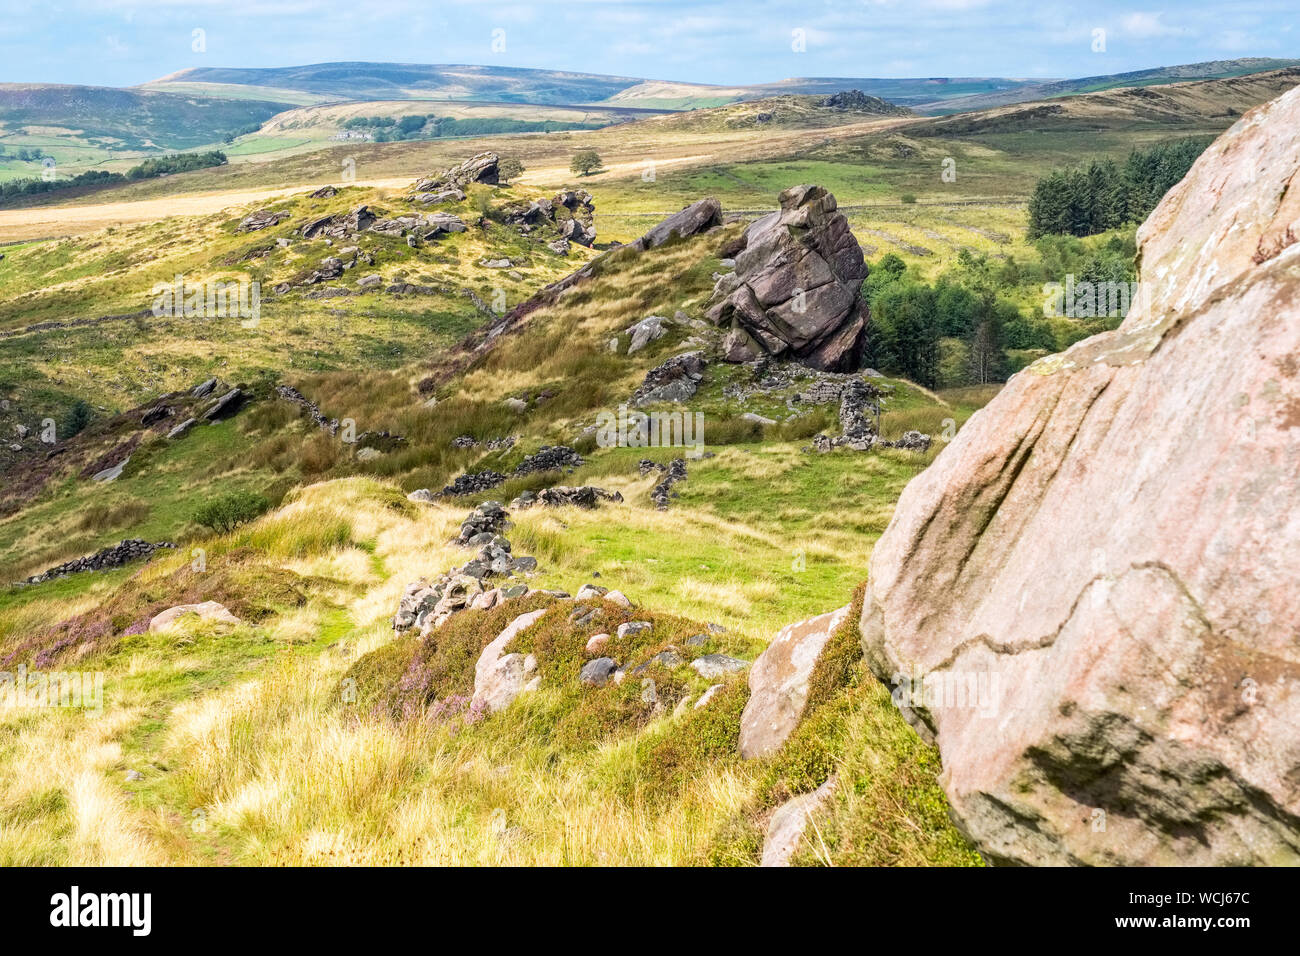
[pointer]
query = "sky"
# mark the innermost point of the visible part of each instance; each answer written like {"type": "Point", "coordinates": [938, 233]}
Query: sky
{"type": "Point", "coordinates": [124, 42]}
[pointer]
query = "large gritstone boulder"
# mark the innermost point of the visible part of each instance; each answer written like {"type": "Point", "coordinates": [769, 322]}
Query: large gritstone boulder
{"type": "Point", "coordinates": [796, 291]}
{"type": "Point", "coordinates": [1091, 599]}
{"type": "Point", "coordinates": [696, 218]}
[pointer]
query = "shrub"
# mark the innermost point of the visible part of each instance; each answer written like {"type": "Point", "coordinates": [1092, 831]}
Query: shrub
{"type": "Point", "coordinates": [228, 512]}
{"type": "Point", "coordinates": [78, 418]}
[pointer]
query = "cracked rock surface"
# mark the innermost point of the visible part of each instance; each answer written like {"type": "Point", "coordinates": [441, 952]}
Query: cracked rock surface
{"type": "Point", "coordinates": [1090, 599]}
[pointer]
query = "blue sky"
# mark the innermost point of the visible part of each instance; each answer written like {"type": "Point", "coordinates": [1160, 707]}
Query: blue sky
{"type": "Point", "coordinates": [123, 42]}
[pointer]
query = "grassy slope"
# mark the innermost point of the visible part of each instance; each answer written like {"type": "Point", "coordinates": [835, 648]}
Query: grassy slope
{"type": "Point", "coordinates": [248, 752]}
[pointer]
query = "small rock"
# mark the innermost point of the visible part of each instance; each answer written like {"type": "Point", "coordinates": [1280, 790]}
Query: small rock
{"type": "Point", "coordinates": [713, 666]}
{"type": "Point", "coordinates": [596, 642]}
{"type": "Point", "coordinates": [708, 695]}
{"type": "Point", "coordinates": [208, 611]}
{"type": "Point", "coordinates": [633, 627]}
{"type": "Point", "coordinates": [598, 672]}
{"type": "Point", "coordinates": [786, 829]}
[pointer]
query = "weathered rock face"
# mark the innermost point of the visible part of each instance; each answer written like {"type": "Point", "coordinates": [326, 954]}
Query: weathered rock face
{"type": "Point", "coordinates": [1104, 562]}
{"type": "Point", "coordinates": [778, 682]}
{"type": "Point", "coordinates": [796, 291]}
{"type": "Point", "coordinates": [698, 217]}
{"type": "Point", "coordinates": [481, 168]}
{"type": "Point", "coordinates": [261, 219]}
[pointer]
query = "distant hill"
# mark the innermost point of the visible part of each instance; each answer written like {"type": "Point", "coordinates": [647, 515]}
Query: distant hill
{"type": "Point", "coordinates": [333, 82]}
{"type": "Point", "coordinates": [399, 81]}
{"type": "Point", "coordinates": [1167, 106]}
{"type": "Point", "coordinates": [126, 119]}
{"type": "Point", "coordinates": [782, 112]}
{"type": "Point", "coordinates": [1041, 90]}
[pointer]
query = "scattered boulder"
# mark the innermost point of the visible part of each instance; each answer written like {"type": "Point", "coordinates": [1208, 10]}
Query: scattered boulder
{"type": "Point", "coordinates": [473, 482]}
{"type": "Point", "coordinates": [633, 627]}
{"type": "Point", "coordinates": [207, 611]}
{"type": "Point", "coordinates": [596, 642]}
{"type": "Point", "coordinates": [796, 289]}
{"type": "Point", "coordinates": [646, 331]}
{"type": "Point", "coordinates": [708, 695]}
{"type": "Point", "coordinates": [550, 458]}
{"type": "Point", "coordinates": [325, 192]}
{"type": "Point", "coordinates": [778, 683]}
{"type": "Point", "coordinates": [500, 677]}
{"type": "Point", "coordinates": [108, 474]}
{"type": "Point", "coordinates": [696, 218]}
{"type": "Point", "coordinates": [713, 666]}
{"type": "Point", "coordinates": [675, 380]}
{"type": "Point", "coordinates": [261, 219]}
{"type": "Point", "coordinates": [785, 831]}
{"type": "Point", "coordinates": [576, 231]}
{"type": "Point", "coordinates": [668, 659]}
{"type": "Point", "coordinates": [1104, 559]}
{"type": "Point", "coordinates": [225, 406]}
{"type": "Point", "coordinates": [441, 196]}
{"type": "Point", "coordinates": [597, 673]}
{"type": "Point", "coordinates": [204, 389]}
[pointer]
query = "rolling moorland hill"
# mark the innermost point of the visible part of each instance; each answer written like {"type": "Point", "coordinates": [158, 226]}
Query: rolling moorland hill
{"type": "Point", "coordinates": [400, 672]}
{"type": "Point", "coordinates": [1041, 90]}
{"type": "Point", "coordinates": [304, 130]}
{"type": "Point", "coordinates": [127, 119]}
{"type": "Point", "coordinates": [317, 580]}
{"type": "Point", "coordinates": [382, 81]}
{"type": "Point", "coordinates": [998, 152]}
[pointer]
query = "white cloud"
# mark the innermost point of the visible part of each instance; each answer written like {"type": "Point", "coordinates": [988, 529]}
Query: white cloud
{"type": "Point", "coordinates": [1145, 26]}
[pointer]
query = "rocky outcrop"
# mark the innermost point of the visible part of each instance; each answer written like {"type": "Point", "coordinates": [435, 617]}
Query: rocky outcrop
{"type": "Point", "coordinates": [778, 682]}
{"type": "Point", "coordinates": [225, 406]}
{"type": "Point", "coordinates": [1090, 598]}
{"type": "Point", "coordinates": [340, 226]}
{"type": "Point", "coordinates": [481, 168]}
{"type": "Point", "coordinates": [796, 291]}
{"type": "Point", "coordinates": [261, 219]}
